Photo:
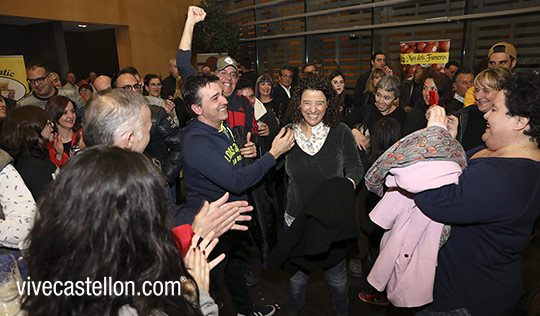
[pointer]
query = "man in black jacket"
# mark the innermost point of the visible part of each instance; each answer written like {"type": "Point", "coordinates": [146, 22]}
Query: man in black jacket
{"type": "Point", "coordinates": [164, 146]}
{"type": "Point", "coordinates": [282, 94]}
{"type": "Point", "coordinates": [169, 83]}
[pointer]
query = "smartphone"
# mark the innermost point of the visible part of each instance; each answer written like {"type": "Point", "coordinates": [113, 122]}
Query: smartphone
{"type": "Point", "coordinates": [433, 98]}
{"type": "Point", "coordinates": [54, 127]}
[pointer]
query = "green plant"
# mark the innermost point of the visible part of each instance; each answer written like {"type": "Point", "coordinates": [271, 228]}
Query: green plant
{"type": "Point", "coordinates": [216, 34]}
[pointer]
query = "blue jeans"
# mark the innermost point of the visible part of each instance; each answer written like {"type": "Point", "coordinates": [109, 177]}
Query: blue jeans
{"type": "Point", "coordinates": [336, 277]}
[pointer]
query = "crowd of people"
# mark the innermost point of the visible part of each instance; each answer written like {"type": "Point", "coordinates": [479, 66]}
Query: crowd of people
{"type": "Point", "coordinates": [429, 186]}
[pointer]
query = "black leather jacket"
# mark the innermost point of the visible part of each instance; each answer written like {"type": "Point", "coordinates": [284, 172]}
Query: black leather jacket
{"type": "Point", "coordinates": [164, 144]}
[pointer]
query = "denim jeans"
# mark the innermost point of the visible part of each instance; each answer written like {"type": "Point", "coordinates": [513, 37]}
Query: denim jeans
{"type": "Point", "coordinates": [336, 277]}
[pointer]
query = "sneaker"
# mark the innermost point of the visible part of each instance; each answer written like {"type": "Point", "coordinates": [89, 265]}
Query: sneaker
{"type": "Point", "coordinates": [251, 280]}
{"type": "Point", "coordinates": [261, 310]}
{"type": "Point", "coordinates": [374, 298]}
{"type": "Point", "coordinates": [355, 267]}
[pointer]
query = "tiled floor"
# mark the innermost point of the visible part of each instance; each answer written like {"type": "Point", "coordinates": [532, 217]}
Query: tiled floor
{"type": "Point", "coordinates": [273, 289]}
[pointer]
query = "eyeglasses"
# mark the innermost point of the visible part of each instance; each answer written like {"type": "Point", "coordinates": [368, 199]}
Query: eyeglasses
{"type": "Point", "coordinates": [155, 84]}
{"type": "Point", "coordinates": [286, 76]}
{"type": "Point", "coordinates": [38, 80]}
{"type": "Point", "coordinates": [336, 82]}
{"type": "Point", "coordinates": [232, 74]}
{"type": "Point", "coordinates": [134, 87]}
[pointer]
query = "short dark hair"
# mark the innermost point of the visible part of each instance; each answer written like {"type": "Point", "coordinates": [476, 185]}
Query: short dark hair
{"type": "Point", "coordinates": [21, 132]}
{"type": "Point", "coordinates": [243, 84]}
{"type": "Point", "coordinates": [122, 218]}
{"type": "Point", "coordinates": [523, 99]}
{"type": "Point", "coordinates": [451, 63]}
{"type": "Point", "coordinates": [127, 70]}
{"type": "Point", "coordinates": [149, 77]}
{"type": "Point", "coordinates": [374, 56]}
{"type": "Point", "coordinates": [55, 108]}
{"type": "Point", "coordinates": [307, 65]}
{"type": "Point", "coordinates": [289, 68]}
{"type": "Point", "coordinates": [70, 72]}
{"type": "Point", "coordinates": [191, 88]}
{"type": "Point", "coordinates": [384, 134]}
{"type": "Point", "coordinates": [332, 115]}
{"type": "Point", "coordinates": [37, 63]}
{"type": "Point", "coordinates": [461, 71]}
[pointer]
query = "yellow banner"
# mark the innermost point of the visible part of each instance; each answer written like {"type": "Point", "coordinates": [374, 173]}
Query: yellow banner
{"type": "Point", "coordinates": [424, 58]}
{"type": "Point", "coordinates": [13, 83]}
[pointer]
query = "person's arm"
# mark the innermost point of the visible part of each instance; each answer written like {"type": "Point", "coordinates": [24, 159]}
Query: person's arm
{"type": "Point", "coordinates": [171, 135]}
{"type": "Point", "coordinates": [484, 194]}
{"type": "Point", "coordinates": [353, 166]}
{"type": "Point", "coordinates": [18, 207]}
{"type": "Point", "coordinates": [215, 167]}
{"type": "Point", "coordinates": [183, 56]}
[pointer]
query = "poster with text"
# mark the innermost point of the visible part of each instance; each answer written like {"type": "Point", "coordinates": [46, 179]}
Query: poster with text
{"type": "Point", "coordinates": [13, 77]}
{"type": "Point", "coordinates": [434, 53]}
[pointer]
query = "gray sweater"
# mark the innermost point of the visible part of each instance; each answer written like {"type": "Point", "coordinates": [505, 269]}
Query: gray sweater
{"type": "Point", "coordinates": [338, 157]}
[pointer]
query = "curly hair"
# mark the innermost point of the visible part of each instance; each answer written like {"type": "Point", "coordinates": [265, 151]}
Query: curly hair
{"type": "Point", "coordinates": [523, 99]}
{"type": "Point", "coordinates": [117, 227]}
{"type": "Point", "coordinates": [332, 115]}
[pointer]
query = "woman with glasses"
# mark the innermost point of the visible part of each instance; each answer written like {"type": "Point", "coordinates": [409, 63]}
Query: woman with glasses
{"type": "Point", "coordinates": [24, 134]}
{"type": "Point", "coordinates": [152, 85]}
{"type": "Point", "coordinates": [152, 93]}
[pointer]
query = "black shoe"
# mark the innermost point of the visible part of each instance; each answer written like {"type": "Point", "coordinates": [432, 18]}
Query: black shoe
{"type": "Point", "coordinates": [261, 310]}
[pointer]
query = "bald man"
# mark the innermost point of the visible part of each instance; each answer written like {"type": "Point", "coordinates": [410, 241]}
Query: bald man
{"type": "Point", "coordinates": [102, 83]}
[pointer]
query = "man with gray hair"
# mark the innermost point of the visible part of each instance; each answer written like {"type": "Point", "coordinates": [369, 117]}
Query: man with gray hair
{"type": "Point", "coordinates": [169, 83]}
{"type": "Point", "coordinates": [122, 118]}
{"type": "Point", "coordinates": [117, 118]}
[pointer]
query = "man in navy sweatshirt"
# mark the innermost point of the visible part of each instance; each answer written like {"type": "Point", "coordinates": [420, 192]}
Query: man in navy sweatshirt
{"type": "Point", "coordinates": [212, 166]}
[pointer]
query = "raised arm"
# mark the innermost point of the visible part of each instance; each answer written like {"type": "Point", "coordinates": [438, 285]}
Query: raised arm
{"type": "Point", "coordinates": [194, 16]}
{"type": "Point", "coordinates": [183, 56]}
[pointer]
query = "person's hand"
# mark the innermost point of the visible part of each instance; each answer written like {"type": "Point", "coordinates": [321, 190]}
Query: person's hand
{"type": "Point", "coordinates": [263, 129]}
{"type": "Point", "coordinates": [196, 259]}
{"type": "Point", "coordinates": [220, 217]}
{"type": "Point", "coordinates": [436, 115]}
{"type": "Point", "coordinates": [58, 146]}
{"type": "Point", "coordinates": [360, 139]}
{"type": "Point", "coordinates": [249, 150]}
{"type": "Point", "coordinates": [81, 140]}
{"type": "Point", "coordinates": [388, 71]}
{"type": "Point", "coordinates": [195, 14]}
{"type": "Point", "coordinates": [453, 123]}
{"type": "Point", "coordinates": [169, 106]}
{"type": "Point", "coordinates": [283, 142]}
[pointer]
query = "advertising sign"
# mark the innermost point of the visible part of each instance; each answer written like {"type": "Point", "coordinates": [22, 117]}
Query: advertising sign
{"type": "Point", "coordinates": [13, 83]}
{"type": "Point", "coordinates": [434, 53]}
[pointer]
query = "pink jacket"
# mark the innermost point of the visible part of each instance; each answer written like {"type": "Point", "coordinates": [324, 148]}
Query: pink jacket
{"type": "Point", "coordinates": [408, 256]}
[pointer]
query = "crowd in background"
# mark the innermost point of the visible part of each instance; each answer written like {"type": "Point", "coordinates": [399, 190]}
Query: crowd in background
{"type": "Point", "coordinates": [430, 185]}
